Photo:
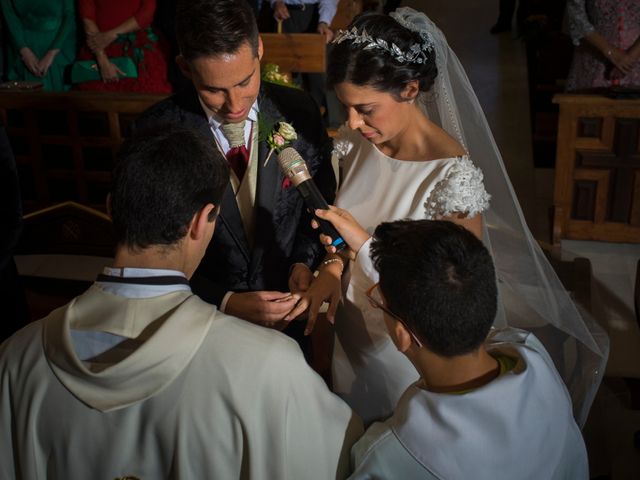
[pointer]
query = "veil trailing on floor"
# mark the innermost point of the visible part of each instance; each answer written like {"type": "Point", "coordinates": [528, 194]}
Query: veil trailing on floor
{"type": "Point", "coordinates": [531, 295]}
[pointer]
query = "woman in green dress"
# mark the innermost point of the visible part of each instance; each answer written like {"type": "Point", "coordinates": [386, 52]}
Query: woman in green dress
{"type": "Point", "coordinates": [42, 40]}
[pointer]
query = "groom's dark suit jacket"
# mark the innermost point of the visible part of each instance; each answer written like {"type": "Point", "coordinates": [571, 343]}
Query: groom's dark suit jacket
{"type": "Point", "coordinates": [283, 235]}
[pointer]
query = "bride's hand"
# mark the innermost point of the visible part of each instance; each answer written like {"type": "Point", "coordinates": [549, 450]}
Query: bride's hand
{"type": "Point", "coordinates": [326, 287]}
{"type": "Point", "coordinates": [347, 226]}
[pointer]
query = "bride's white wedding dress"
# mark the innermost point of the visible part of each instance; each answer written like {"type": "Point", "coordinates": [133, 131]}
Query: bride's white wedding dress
{"type": "Point", "coordinates": [368, 371]}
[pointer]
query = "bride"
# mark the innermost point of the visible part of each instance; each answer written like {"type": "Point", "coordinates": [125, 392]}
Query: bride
{"type": "Point", "coordinates": [417, 145]}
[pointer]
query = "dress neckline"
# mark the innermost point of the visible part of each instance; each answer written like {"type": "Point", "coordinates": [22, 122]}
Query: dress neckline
{"type": "Point", "coordinates": [413, 162]}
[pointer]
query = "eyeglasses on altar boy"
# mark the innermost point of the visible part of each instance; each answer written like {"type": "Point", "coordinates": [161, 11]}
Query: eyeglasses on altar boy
{"type": "Point", "coordinates": [376, 300]}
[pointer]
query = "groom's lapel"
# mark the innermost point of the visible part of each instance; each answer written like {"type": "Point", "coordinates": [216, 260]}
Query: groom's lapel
{"type": "Point", "coordinates": [269, 180]}
{"type": "Point", "coordinates": [230, 216]}
{"type": "Point", "coordinates": [269, 176]}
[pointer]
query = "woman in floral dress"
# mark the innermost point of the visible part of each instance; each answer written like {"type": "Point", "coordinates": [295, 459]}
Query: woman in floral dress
{"type": "Point", "coordinates": [606, 34]}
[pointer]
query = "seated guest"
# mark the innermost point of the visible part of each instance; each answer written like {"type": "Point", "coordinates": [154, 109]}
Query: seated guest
{"type": "Point", "coordinates": [129, 54]}
{"type": "Point", "coordinates": [298, 16]}
{"type": "Point", "coordinates": [606, 36]}
{"type": "Point", "coordinates": [485, 406]}
{"type": "Point", "coordinates": [138, 377]}
{"type": "Point", "coordinates": [42, 40]}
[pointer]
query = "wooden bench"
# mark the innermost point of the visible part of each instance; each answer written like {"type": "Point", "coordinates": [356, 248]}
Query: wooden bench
{"type": "Point", "coordinates": [65, 143]}
{"type": "Point", "coordinates": [295, 52]}
{"type": "Point", "coordinates": [597, 178]}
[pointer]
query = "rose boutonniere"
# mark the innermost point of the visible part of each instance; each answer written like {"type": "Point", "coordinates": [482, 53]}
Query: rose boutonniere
{"type": "Point", "coordinates": [279, 138]}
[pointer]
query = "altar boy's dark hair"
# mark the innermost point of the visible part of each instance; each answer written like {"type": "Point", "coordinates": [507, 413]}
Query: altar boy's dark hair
{"type": "Point", "coordinates": [440, 279]}
{"type": "Point", "coordinates": [161, 179]}
{"type": "Point", "coordinates": [373, 67]}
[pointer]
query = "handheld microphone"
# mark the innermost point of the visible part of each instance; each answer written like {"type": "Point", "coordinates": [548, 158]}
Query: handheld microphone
{"type": "Point", "coordinates": [295, 168]}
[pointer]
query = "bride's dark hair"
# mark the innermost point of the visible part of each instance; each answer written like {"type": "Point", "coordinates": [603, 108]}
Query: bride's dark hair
{"type": "Point", "coordinates": [377, 68]}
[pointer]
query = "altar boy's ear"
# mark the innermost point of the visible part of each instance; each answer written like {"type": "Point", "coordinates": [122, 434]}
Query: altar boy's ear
{"type": "Point", "coordinates": [410, 91]}
{"type": "Point", "coordinates": [203, 222]}
{"type": "Point", "coordinates": [403, 337]}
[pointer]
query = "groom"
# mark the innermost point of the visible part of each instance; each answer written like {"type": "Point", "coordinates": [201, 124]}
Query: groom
{"type": "Point", "coordinates": [263, 247]}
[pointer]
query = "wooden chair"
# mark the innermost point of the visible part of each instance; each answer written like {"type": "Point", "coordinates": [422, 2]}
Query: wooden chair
{"type": "Point", "coordinates": [61, 250]}
{"type": "Point", "coordinates": [597, 178]}
{"type": "Point", "coordinates": [295, 52]}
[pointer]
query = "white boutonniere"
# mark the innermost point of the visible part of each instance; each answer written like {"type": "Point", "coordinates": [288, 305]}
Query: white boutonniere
{"type": "Point", "coordinates": [280, 137]}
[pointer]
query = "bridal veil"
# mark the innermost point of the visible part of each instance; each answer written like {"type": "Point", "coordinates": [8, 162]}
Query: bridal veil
{"type": "Point", "coordinates": [531, 295]}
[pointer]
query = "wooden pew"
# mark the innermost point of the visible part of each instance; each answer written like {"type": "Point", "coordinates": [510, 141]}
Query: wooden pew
{"type": "Point", "coordinates": [597, 178]}
{"type": "Point", "coordinates": [295, 52]}
{"type": "Point", "coordinates": [65, 143]}
{"type": "Point", "coordinates": [305, 52]}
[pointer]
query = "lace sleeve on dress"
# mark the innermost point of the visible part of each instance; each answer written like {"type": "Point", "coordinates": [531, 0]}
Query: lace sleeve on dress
{"type": "Point", "coordinates": [342, 146]}
{"type": "Point", "coordinates": [578, 23]}
{"type": "Point", "coordinates": [461, 191]}
{"type": "Point", "coordinates": [342, 143]}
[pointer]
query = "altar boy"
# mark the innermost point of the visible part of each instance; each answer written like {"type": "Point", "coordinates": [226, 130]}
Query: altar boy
{"type": "Point", "coordinates": [488, 404]}
{"type": "Point", "coordinates": [140, 378]}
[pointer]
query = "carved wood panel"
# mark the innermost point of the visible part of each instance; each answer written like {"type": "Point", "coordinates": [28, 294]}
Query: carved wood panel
{"type": "Point", "coordinates": [65, 143]}
{"type": "Point", "coordinates": [597, 184]}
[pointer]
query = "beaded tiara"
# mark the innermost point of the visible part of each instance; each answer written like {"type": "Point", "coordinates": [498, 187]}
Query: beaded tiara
{"type": "Point", "coordinates": [417, 53]}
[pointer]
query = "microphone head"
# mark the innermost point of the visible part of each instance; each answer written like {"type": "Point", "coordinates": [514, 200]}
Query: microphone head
{"type": "Point", "coordinates": [293, 166]}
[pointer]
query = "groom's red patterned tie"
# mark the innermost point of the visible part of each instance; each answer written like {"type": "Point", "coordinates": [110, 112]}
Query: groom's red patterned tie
{"type": "Point", "coordinates": [238, 155]}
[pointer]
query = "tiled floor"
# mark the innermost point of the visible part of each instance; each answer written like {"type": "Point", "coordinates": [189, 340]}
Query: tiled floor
{"type": "Point", "coordinates": [496, 66]}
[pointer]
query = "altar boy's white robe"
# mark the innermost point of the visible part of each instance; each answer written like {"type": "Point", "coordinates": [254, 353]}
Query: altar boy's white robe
{"type": "Point", "coordinates": [518, 426]}
{"type": "Point", "coordinates": [193, 394]}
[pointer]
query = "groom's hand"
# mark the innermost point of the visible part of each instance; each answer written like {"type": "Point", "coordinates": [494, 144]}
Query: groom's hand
{"type": "Point", "coordinates": [263, 307]}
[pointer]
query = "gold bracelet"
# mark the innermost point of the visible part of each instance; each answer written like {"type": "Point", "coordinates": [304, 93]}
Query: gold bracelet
{"type": "Point", "coordinates": [334, 260]}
